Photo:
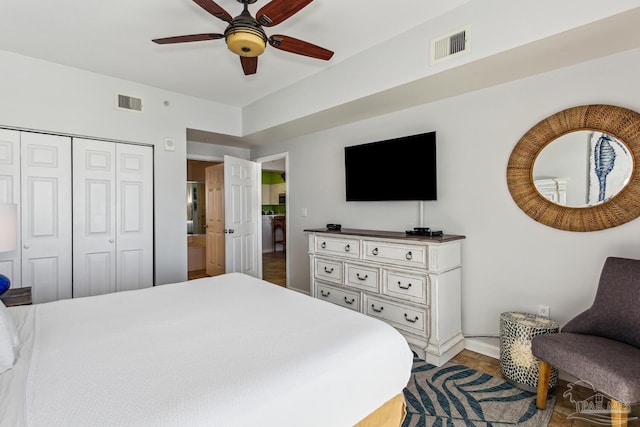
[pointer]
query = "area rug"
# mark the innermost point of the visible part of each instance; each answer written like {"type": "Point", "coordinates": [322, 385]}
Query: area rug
{"type": "Point", "coordinates": [458, 396]}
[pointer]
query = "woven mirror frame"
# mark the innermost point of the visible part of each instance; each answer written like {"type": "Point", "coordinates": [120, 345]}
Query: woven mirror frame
{"type": "Point", "coordinates": [619, 122]}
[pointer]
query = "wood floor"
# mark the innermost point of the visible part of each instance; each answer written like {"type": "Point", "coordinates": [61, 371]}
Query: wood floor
{"type": "Point", "coordinates": [563, 407]}
{"type": "Point", "coordinates": [273, 268]}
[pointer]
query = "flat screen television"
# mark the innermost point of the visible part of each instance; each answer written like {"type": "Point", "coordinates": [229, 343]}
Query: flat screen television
{"type": "Point", "coordinates": [395, 169]}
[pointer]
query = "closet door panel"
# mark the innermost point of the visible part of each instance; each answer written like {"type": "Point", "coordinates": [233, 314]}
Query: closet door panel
{"type": "Point", "coordinates": [10, 262]}
{"type": "Point", "coordinates": [134, 201]}
{"type": "Point", "coordinates": [94, 213]}
{"type": "Point", "coordinates": [46, 216]}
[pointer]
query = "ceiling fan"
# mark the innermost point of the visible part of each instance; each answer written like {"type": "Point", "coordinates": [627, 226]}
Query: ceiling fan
{"type": "Point", "coordinates": [244, 34]}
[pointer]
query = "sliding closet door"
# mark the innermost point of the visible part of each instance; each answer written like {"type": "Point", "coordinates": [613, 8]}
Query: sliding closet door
{"type": "Point", "coordinates": [113, 217]}
{"type": "Point", "coordinates": [10, 262]}
{"type": "Point", "coordinates": [134, 202]}
{"type": "Point", "coordinates": [46, 215]}
{"type": "Point", "coordinates": [94, 213]}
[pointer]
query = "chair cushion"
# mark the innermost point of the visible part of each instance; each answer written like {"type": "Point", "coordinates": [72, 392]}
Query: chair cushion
{"type": "Point", "coordinates": [614, 313]}
{"type": "Point", "coordinates": [611, 367]}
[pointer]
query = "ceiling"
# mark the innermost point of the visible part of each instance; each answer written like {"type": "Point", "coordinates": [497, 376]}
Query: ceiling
{"type": "Point", "coordinates": [114, 38]}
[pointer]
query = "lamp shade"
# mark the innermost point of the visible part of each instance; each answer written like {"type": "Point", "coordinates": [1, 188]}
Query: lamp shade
{"type": "Point", "coordinates": [8, 227]}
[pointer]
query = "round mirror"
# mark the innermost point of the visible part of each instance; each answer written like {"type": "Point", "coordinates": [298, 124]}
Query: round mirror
{"type": "Point", "coordinates": [608, 198]}
{"type": "Point", "coordinates": [582, 168]}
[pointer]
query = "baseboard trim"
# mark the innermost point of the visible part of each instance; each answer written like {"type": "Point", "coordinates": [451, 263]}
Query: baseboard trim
{"type": "Point", "coordinates": [489, 346]}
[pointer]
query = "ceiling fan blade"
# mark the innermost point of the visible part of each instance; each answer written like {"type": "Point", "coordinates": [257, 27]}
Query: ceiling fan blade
{"type": "Point", "coordinates": [189, 38]}
{"type": "Point", "coordinates": [277, 11]}
{"type": "Point", "coordinates": [300, 47]}
{"type": "Point", "coordinates": [249, 64]}
{"type": "Point", "coordinates": [214, 9]}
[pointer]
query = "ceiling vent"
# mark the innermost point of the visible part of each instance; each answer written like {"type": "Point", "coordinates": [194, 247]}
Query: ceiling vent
{"type": "Point", "coordinates": [129, 103]}
{"type": "Point", "coordinates": [450, 45]}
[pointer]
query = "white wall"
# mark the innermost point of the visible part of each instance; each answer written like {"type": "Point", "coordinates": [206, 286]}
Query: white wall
{"type": "Point", "coordinates": [510, 261]}
{"type": "Point", "coordinates": [44, 96]}
{"type": "Point", "coordinates": [205, 151]}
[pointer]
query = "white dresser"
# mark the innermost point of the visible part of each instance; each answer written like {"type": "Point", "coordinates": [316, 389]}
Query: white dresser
{"type": "Point", "coordinates": [410, 282]}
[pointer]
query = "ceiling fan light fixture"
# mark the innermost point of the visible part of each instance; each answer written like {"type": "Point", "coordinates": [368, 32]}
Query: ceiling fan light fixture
{"type": "Point", "coordinates": [247, 42]}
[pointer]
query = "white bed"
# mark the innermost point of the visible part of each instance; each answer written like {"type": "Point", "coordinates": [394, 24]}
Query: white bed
{"type": "Point", "coordinates": [225, 351]}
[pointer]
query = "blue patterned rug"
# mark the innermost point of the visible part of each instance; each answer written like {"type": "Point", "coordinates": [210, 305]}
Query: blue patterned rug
{"type": "Point", "coordinates": [458, 396]}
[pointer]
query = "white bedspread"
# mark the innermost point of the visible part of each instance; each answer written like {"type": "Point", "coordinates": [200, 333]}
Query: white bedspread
{"type": "Point", "coordinates": [225, 351]}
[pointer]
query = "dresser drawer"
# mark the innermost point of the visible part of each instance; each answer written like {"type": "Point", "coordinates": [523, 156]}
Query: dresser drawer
{"type": "Point", "coordinates": [349, 248]}
{"type": "Point", "coordinates": [411, 287]}
{"type": "Point", "coordinates": [348, 299]}
{"type": "Point", "coordinates": [396, 253]}
{"type": "Point", "coordinates": [328, 270]}
{"type": "Point", "coordinates": [361, 277]}
{"type": "Point", "coordinates": [407, 318]}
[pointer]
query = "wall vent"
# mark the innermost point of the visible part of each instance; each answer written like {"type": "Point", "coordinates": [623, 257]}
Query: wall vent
{"type": "Point", "coordinates": [453, 44]}
{"type": "Point", "coordinates": [129, 103]}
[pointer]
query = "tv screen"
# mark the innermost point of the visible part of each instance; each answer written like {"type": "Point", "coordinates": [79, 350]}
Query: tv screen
{"type": "Point", "coordinates": [395, 169]}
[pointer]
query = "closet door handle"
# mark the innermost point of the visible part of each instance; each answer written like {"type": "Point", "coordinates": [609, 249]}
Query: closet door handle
{"type": "Point", "coordinates": [26, 246]}
{"type": "Point", "coordinates": [111, 240]}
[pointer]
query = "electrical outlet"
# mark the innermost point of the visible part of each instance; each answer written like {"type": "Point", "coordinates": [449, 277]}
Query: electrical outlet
{"type": "Point", "coordinates": [543, 310]}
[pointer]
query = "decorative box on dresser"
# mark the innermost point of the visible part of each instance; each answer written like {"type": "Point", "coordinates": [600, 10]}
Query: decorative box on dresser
{"type": "Point", "coordinates": [410, 282]}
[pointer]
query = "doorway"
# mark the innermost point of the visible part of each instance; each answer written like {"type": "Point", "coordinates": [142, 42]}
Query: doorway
{"type": "Point", "coordinates": [196, 218]}
{"type": "Point", "coordinates": [275, 209]}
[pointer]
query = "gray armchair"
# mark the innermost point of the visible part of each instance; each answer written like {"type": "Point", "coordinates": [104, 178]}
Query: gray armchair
{"type": "Point", "coordinates": [601, 345]}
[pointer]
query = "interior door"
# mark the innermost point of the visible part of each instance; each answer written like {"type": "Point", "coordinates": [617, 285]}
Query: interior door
{"type": "Point", "coordinates": [242, 219]}
{"type": "Point", "coordinates": [46, 216]}
{"type": "Point", "coordinates": [112, 217]}
{"type": "Point", "coordinates": [10, 262]}
{"type": "Point", "coordinates": [94, 217]}
{"type": "Point", "coordinates": [134, 208]}
{"type": "Point", "coordinates": [215, 230]}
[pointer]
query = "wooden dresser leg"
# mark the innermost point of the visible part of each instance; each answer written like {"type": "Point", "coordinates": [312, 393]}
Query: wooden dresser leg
{"type": "Point", "coordinates": [618, 414]}
{"type": "Point", "coordinates": [543, 384]}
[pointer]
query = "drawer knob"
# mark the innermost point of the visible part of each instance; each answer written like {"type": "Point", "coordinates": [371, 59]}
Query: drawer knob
{"type": "Point", "coordinates": [410, 320]}
{"type": "Point", "coordinates": [375, 251]}
{"type": "Point", "coordinates": [366, 276]}
{"type": "Point", "coordinates": [323, 245]}
{"type": "Point", "coordinates": [325, 294]}
{"type": "Point", "coordinates": [409, 255]}
{"type": "Point", "coordinates": [347, 248]}
{"type": "Point", "coordinates": [349, 302]}
{"type": "Point", "coordinates": [404, 287]}
{"type": "Point", "coordinates": [328, 270]}
{"type": "Point", "coordinates": [378, 310]}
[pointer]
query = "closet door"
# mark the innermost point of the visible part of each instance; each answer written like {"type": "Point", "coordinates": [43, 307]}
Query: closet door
{"type": "Point", "coordinates": [46, 215]}
{"type": "Point", "coordinates": [94, 214]}
{"type": "Point", "coordinates": [113, 217]}
{"type": "Point", "coordinates": [10, 262]}
{"type": "Point", "coordinates": [134, 221]}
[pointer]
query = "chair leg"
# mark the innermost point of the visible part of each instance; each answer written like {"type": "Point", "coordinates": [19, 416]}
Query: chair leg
{"type": "Point", "coordinates": [543, 384]}
{"type": "Point", "coordinates": [618, 414]}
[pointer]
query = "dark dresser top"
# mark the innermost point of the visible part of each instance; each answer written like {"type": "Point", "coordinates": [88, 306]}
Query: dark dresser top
{"type": "Point", "coordinates": [387, 234]}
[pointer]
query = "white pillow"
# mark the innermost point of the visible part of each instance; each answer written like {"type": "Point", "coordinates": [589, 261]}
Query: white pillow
{"type": "Point", "coordinates": [8, 339]}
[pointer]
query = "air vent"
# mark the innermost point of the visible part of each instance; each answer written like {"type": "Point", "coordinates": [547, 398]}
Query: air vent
{"type": "Point", "coordinates": [129, 103]}
{"type": "Point", "coordinates": [453, 44]}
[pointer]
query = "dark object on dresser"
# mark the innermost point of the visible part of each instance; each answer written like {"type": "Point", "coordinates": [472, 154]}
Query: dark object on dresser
{"type": "Point", "coordinates": [16, 296]}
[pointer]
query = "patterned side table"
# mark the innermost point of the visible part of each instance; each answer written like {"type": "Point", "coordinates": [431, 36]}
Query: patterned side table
{"type": "Point", "coordinates": [519, 365]}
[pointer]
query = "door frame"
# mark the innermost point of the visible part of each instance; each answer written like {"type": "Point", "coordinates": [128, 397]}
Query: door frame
{"type": "Point", "coordinates": [269, 158]}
